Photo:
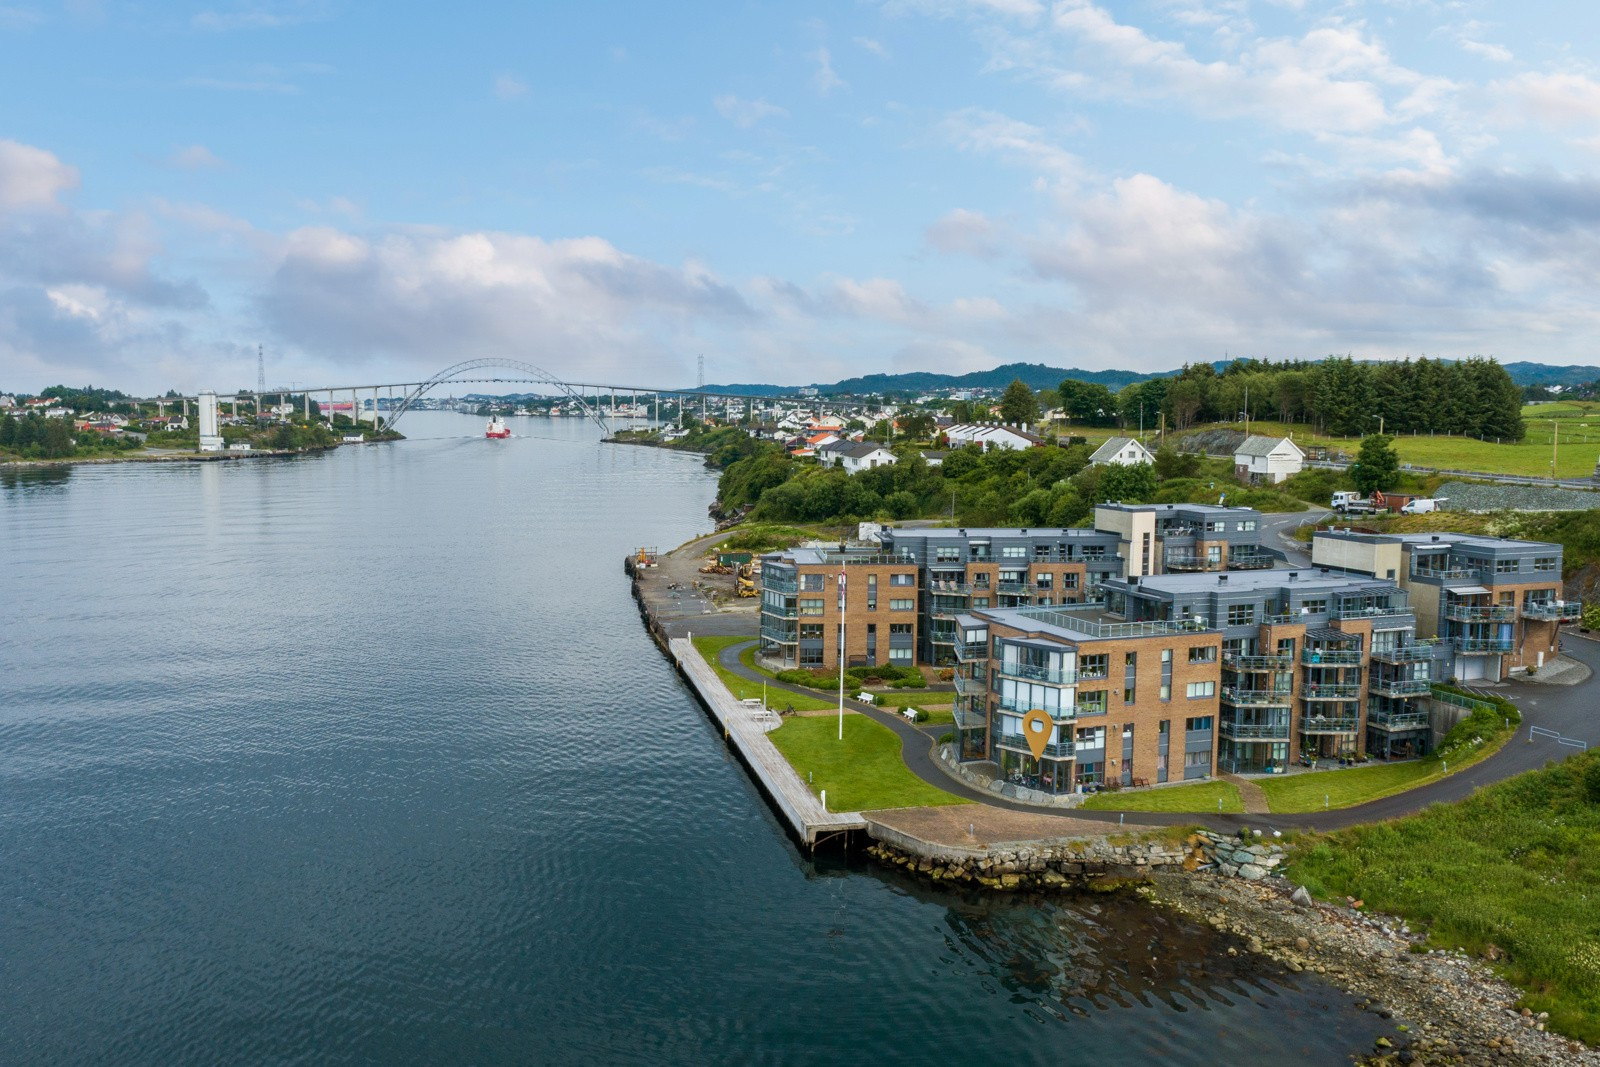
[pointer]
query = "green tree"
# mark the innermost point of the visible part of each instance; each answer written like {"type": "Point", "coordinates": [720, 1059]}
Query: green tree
{"type": "Point", "coordinates": [918, 425]}
{"type": "Point", "coordinates": [1134, 484]}
{"type": "Point", "coordinates": [1170, 463]}
{"type": "Point", "coordinates": [1377, 466]}
{"type": "Point", "coordinates": [1018, 404]}
{"type": "Point", "coordinates": [8, 431]}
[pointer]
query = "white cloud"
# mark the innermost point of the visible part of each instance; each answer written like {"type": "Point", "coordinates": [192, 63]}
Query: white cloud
{"type": "Point", "coordinates": [990, 133]}
{"type": "Point", "coordinates": [32, 178]}
{"type": "Point", "coordinates": [746, 113]}
{"type": "Point", "coordinates": [1550, 99]}
{"type": "Point", "coordinates": [825, 79]}
{"type": "Point", "coordinates": [509, 87]}
{"type": "Point", "coordinates": [259, 15]}
{"type": "Point", "coordinates": [194, 157]}
{"type": "Point", "coordinates": [872, 45]}
{"type": "Point", "coordinates": [964, 232]}
{"type": "Point", "coordinates": [242, 85]}
{"type": "Point", "coordinates": [19, 18]}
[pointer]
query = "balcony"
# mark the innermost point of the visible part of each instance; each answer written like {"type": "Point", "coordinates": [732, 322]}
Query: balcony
{"type": "Point", "coordinates": [1368, 611]}
{"type": "Point", "coordinates": [792, 612]}
{"type": "Point", "coordinates": [1255, 698]}
{"type": "Point", "coordinates": [1396, 721]}
{"type": "Point", "coordinates": [1013, 588]}
{"type": "Point", "coordinates": [1254, 731]}
{"type": "Point", "coordinates": [968, 719]}
{"type": "Point", "coordinates": [1553, 611]}
{"type": "Point", "coordinates": [1331, 657]}
{"type": "Point", "coordinates": [1036, 674]}
{"type": "Point", "coordinates": [944, 588]}
{"type": "Point", "coordinates": [1066, 714]}
{"type": "Point", "coordinates": [781, 585]}
{"type": "Point", "coordinates": [972, 651]}
{"type": "Point", "coordinates": [1447, 572]}
{"type": "Point", "coordinates": [1054, 750]}
{"type": "Point", "coordinates": [1479, 613]}
{"type": "Point", "coordinates": [1234, 661]}
{"type": "Point", "coordinates": [779, 635]}
{"type": "Point", "coordinates": [1482, 646]}
{"type": "Point", "coordinates": [1416, 652]}
{"type": "Point", "coordinates": [1330, 724]}
{"type": "Point", "coordinates": [1249, 561]}
{"type": "Point", "coordinates": [969, 686]}
{"type": "Point", "coordinates": [1331, 692]}
{"type": "Point", "coordinates": [1402, 687]}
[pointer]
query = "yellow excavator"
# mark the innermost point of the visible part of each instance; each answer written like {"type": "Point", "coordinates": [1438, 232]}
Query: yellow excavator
{"type": "Point", "coordinates": [747, 580]}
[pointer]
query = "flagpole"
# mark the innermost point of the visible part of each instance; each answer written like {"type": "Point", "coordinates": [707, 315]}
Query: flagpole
{"type": "Point", "coordinates": [841, 654]}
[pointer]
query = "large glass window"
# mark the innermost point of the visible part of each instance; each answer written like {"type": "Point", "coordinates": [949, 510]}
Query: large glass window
{"type": "Point", "coordinates": [811, 606]}
{"type": "Point", "coordinates": [1241, 614]}
{"type": "Point", "coordinates": [812, 583]}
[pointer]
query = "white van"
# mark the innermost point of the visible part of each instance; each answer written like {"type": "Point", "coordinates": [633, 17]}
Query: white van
{"type": "Point", "coordinates": [1422, 505]}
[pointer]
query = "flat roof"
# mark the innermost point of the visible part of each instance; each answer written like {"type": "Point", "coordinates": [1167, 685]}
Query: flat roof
{"type": "Point", "coordinates": [1207, 509]}
{"type": "Point", "coordinates": [1078, 622]}
{"type": "Point", "coordinates": [1442, 540]}
{"type": "Point", "coordinates": [997, 531]}
{"type": "Point", "coordinates": [1252, 581]}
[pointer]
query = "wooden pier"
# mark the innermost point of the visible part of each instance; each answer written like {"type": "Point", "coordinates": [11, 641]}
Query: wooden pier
{"type": "Point", "coordinates": [746, 729]}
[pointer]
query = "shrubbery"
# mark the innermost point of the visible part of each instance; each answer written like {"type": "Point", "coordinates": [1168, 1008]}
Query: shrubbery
{"type": "Point", "coordinates": [896, 677]}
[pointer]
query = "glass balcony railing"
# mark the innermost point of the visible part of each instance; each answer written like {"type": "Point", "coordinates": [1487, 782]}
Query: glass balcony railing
{"type": "Point", "coordinates": [1235, 661]}
{"type": "Point", "coordinates": [780, 635]}
{"type": "Point", "coordinates": [1036, 674]}
{"type": "Point", "coordinates": [1416, 652]}
{"type": "Point", "coordinates": [1255, 698]}
{"type": "Point", "coordinates": [1553, 610]}
{"type": "Point", "coordinates": [1188, 561]}
{"type": "Point", "coordinates": [1402, 687]}
{"type": "Point", "coordinates": [781, 585]}
{"type": "Point", "coordinates": [1331, 692]}
{"type": "Point", "coordinates": [1479, 613]}
{"type": "Point", "coordinates": [1330, 657]}
{"type": "Point", "coordinates": [1249, 561]}
{"type": "Point", "coordinates": [1022, 707]}
{"type": "Point", "coordinates": [1398, 720]}
{"type": "Point", "coordinates": [1330, 724]}
{"type": "Point", "coordinates": [969, 686]}
{"type": "Point", "coordinates": [970, 719]}
{"type": "Point", "coordinates": [971, 651]}
{"type": "Point", "coordinates": [1054, 750]}
{"type": "Point", "coordinates": [1254, 731]}
{"type": "Point", "coordinates": [1482, 646]}
{"type": "Point", "coordinates": [1368, 611]}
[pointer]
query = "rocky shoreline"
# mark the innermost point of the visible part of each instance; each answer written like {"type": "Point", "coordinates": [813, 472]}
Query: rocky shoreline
{"type": "Point", "coordinates": [1448, 1007]}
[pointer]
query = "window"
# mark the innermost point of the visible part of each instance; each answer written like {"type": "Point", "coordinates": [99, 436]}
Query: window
{"type": "Point", "coordinates": [947, 554]}
{"type": "Point", "coordinates": [1506, 566]}
{"type": "Point", "coordinates": [909, 604]}
{"type": "Point", "coordinates": [981, 579]}
{"type": "Point", "coordinates": [1092, 703]}
{"type": "Point", "coordinates": [810, 631]}
{"type": "Point", "coordinates": [1044, 581]}
{"type": "Point", "coordinates": [812, 583]}
{"type": "Point", "coordinates": [980, 601]}
{"type": "Point", "coordinates": [1164, 728]}
{"type": "Point", "coordinates": [1216, 526]}
{"type": "Point", "coordinates": [1094, 551]}
{"type": "Point", "coordinates": [1196, 690]}
{"type": "Point", "coordinates": [1166, 674]}
{"type": "Point", "coordinates": [1544, 563]}
{"type": "Point", "coordinates": [901, 629]}
{"type": "Point", "coordinates": [1247, 525]}
{"type": "Point", "coordinates": [1198, 725]}
{"type": "Point", "coordinates": [1203, 654]}
{"type": "Point", "coordinates": [1014, 552]}
{"type": "Point", "coordinates": [903, 579]}
{"type": "Point", "coordinates": [1197, 759]}
{"type": "Point", "coordinates": [811, 605]}
{"type": "Point", "coordinates": [1069, 580]}
{"type": "Point", "coordinates": [872, 592]}
{"type": "Point", "coordinates": [899, 655]}
{"type": "Point", "coordinates": [1093, 737]}
{"type": "Point", "coordinates": [1313, 607]}
{"type": "Point", "coordinates": [1241, 614]}
{"type": "Point", "coordinates": [1092, 666]}
{"type": "Point", "coordinates": [1127, 695]}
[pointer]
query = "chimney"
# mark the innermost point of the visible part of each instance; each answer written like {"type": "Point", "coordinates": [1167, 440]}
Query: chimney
{"type": "Point", "coordinates": [1222, 579]}
{"type": "Point", "coordinates": [1293, 575]}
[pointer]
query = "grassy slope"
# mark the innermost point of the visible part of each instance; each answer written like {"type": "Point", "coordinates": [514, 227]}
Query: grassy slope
{"type": "Point", "coordinates": [743, 688]}
{"type": "Point", "coordinates": [861, 773]}
{"type": "Point", "coordinates": [1202, 796]}
{"type": "Point", "coordinates": [1516, 865]}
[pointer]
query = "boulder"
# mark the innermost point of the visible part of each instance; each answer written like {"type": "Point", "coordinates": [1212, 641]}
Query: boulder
{"type": "Point", "coordinates": [1251, 872]}
{"type": "Point", "coordinates": [1301, 896]}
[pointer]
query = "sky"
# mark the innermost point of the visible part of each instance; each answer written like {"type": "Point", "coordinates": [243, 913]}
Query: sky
{"type": "Point", "coordinates": [797, 193]}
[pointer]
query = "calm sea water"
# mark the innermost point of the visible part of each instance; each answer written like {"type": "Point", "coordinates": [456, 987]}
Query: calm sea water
{"type": "Point", "coordinates": [366, 757]}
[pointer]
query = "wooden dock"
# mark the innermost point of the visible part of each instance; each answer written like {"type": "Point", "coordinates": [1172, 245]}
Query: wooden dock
{"type": "Point", "coordinates": [746, 728]}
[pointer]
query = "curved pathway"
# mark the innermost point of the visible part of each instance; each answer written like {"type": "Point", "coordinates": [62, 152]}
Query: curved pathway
{"type": "Point", "coordinates": [1571, 711]}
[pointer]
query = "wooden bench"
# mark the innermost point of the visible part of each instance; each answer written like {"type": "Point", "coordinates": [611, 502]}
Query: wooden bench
{"type": "Point", "coordinates": [1137, 782]}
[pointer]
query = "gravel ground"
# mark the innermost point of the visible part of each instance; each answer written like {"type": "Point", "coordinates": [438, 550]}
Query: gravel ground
{"type": "Point", "coordinates": [1464, 496]}
{"type": "Point", "coordinates": [1447, 1007]}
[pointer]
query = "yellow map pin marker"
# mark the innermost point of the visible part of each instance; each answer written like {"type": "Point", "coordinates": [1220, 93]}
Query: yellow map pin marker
{"type": "Point", "coordinates": [1036, 728]}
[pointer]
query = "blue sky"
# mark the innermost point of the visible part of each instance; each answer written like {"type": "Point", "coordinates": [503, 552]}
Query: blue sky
{"type": "Point", "coordinates": [374, 191]}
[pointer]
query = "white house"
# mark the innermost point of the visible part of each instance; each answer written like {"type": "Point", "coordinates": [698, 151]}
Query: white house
{"type": "Point", "coordinates": [865, 456]}
{"type": "Point", "coordinates": [1123, 451]}
{"type": "Point", "coordinates": [988, 435]}
{"type": "Point", "coordinates": [1267, 460]}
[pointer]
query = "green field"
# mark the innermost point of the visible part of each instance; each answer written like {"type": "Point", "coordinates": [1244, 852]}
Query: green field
{"type": "Point", "coordinates": [863, 772]}
{"type": "Point", "coordinates": [744, 689]}
{"type": "Point", "coordinates": [1344, 788]}
{"type": "Point", "coordinates": [1200, 797]}
{"type": "Point", "coordinates": [1515, 866]}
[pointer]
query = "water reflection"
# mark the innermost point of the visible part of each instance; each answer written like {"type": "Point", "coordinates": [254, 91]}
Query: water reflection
{"type": "Point", "coordinates": [43, 480]}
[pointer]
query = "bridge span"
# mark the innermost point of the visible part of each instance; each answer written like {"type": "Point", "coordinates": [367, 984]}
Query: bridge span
{"type": "Point", "coordinates": [389, 401]}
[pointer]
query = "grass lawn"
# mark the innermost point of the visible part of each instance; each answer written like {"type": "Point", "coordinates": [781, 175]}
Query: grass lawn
{"type": "Point", "coordinates": [860, 773]}
{"type": "Point", "coordinates": [912, 698]}
{"type": "Point", "coordinates": [744, 689]}
{"type": "Point", "coordinates": [1516, 865]}
{"type": "Point", "coordinates": [1202, 796]}
{"type": "Point", "coordinates": [1356, 785]}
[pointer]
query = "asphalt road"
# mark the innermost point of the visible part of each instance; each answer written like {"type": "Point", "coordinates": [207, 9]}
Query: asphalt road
{"type": "Point", "coordinates": [1572, 711]}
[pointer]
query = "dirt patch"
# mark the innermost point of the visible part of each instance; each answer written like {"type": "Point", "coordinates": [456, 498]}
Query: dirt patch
{"type": "Point", "coordinates": [989, 826]}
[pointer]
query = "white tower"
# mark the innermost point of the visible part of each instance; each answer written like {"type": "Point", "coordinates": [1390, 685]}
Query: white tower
{"type": "Point", "coordinates": [210, 438]}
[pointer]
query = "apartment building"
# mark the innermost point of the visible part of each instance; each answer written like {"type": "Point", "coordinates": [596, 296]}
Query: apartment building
{"type": "Point", "coordinates": [961, 570]}
{"type": "Point", "coordinates": [807, 592]}
{"type": "Point", "coordinates": [1129, 702]}
{"type": "Point", "coordinates": [1167, 538]}
{"type": "Point", "coordinates": [1314, 663]}
{"type": "Point", "coordinates": [1495, 604]}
